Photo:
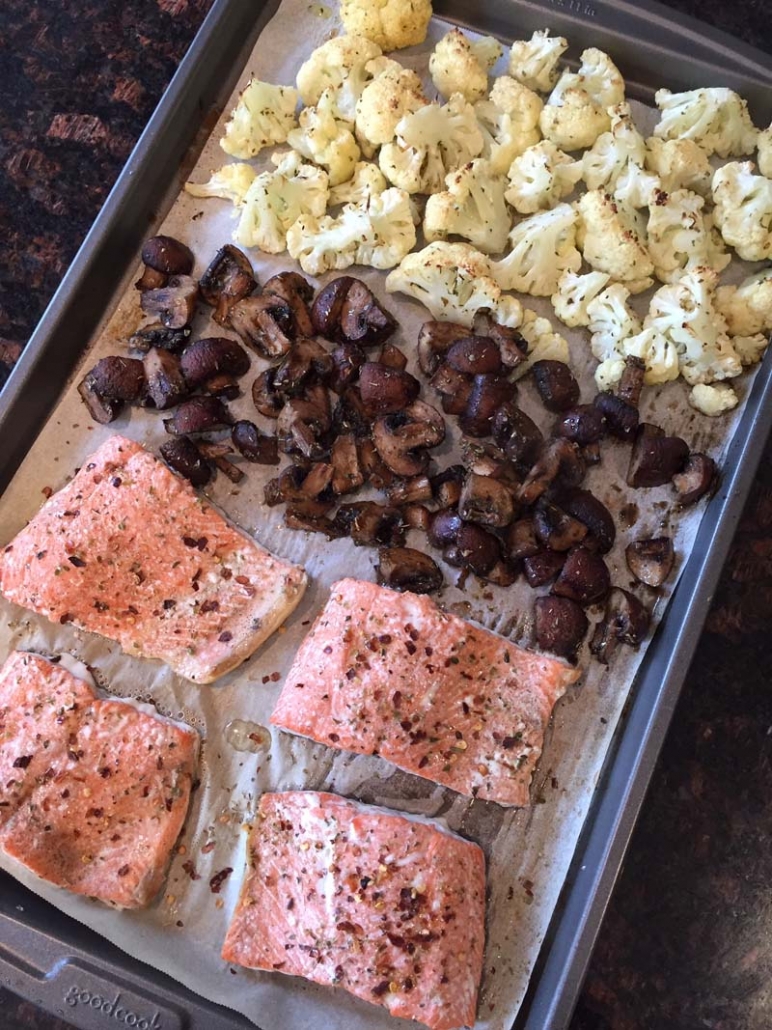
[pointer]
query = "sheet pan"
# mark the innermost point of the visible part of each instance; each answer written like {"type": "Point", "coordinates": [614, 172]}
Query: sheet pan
{"type": "Point", "coordinates": [663, 666]}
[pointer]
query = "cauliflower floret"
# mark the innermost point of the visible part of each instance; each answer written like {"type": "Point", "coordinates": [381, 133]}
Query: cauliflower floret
{"type": "Point", "coordinates": [393, 93]}
{"type": "Point", "coordinates": [614, 150]}
{"type": "Point", "coordinates": [608, 239]}
{"type": "Point", "coordinates": [340, 66]}
{"type": "Point", "coordinates": [747, 308]}
{"type": "Point", "coordinates": [458, 65]}
{"type": "Point", "coordinates": [657, 353]}
{"type": "Point", "coordinates": [453, 280]}
{"type": "Point", "coordinates": [534, 62]}
{"type": "Point", "coordinates": [230, 182]}
{"type": "Point", "coordinates": [544, 344]}
{"type": "Point", "coordinates": [678, 238]}
{"type": "Point", "coordinates": [472, 206]}
{"type": "Point", "coordinates": [681, 164]}
{"type": "Point", "coordinates": [378, 232]}
{"type": "Point", "coordinates": [743, 211]}
{"type": "Point", "coordinates": [572, 119]}
{"type": "Point", "coordinates": [509, 311]}
{"type": "Point", "coordinates": [326, 141]}
{"type": "Point", "coordinates": [717, 118]}
{"type": "Point", "coordinates": [611, 321]}
{"type": "Point", "coordinates": [367, 181]}
{"type": "Point", "coordinates": [636, 187]}
{"type": "Point", "coordinates": [685, 314]}
{"type": "Point", "coordinates": [542, 248]}
{"type": "Point", "coordinates": [750, 348]}
{"type": "Point", "coordinates": [609, 372]}
{"type": "Point", "coordinates": [509, 120]}
{"type": "Point", "coordinates": [263, 116]}
{"type": "Point", "coordinates": [574, 293]}
{"type": "Point", "coordinates": [276, 199]}
{"type": "Point", "coordinates": [431, 142]}
{"type": "Point", "coordinates": [713, 400]}
{"type": "Point", "coordinates": [764, 152]}
{"type": "Point", "coordinates": [541, 177]}
{"type": "Point", "coordinates": [392, 24]}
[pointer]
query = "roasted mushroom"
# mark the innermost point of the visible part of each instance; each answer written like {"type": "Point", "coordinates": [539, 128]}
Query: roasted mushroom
{"type": "Point", "coordinates": [488, 393]}
{"type": "Point", "coordinates": [625, 621]}
{"type": "Point", "coordinates": [306, 362]}
{"type": "Point", "coordinates": [699, 477]}
{"type": "Point", "coordinates": [655, 457]}
{"type": "Point", "coordinates": [167, 255]}
{"type": "Point", "coordinates": [303, 422]}
{"type": "Point", "coordinates": [368, 524]}
{"type": "Point", "coordinates": [517, 435]}
{"type": "Point", "coordinates": [347, 359]}
{"type": "Point", "coordinates": [601, 530]}
{"type": "Point", "coordinates": [362, 319]}
{"type": "Point", "coordinates": [521, 540]}
{"type": "Point", "coordinates": [303, 487]}
{"type": "Point", "coordinates": [401, 439]}
{"type": "Point", "coordinates": [410, 491]}
{"type": "Point", "coordinates": [326, 308]}
{"type": "Point", "coordinates": [174, 304]}
{"type": "Point", "coordinates": [630, 385]}
{"type": "Point", "coordinates": [560, 460]}
{"type": "Point", "coordinates": [297, 293]}
{"type": "Point", "coordinates": [584, 577]}
{"type": "Point", "coordinates": [555, 384]}
{"type": "Point", "coordinates": [560, 625]}
{"type": "Point", "coordinates": [227, 280]}
{"type": "Point", "coordinates": [254, 445]}
{"type": "Point", "coordinates": [474, 548]}
{"type": "Point", "coordinates": [264, 322]}
{"type": "Point", "coordinates": [373, 468]}
{"type": "Point", "coordinates": [474, 355]}
{"type": "Point", "coordinates": [434, 341]}
{"type": "Point", "coordinates": [165, 384]}
{"type": "Point", "coordinates": [213, 356]}
{"type": "Point", "coordinates": [384, 389]}
{"type": "Point", "coordinates": [301, 518]}
{"type": "Point", "coordinates": [344, 458]}
{"type": "Point", "coordinates": [454, 387]}
{"type": "Point", "coordinates": [447, 486]}
{"type": "Point", "coordinates": [404, 568]}
{"type": "Point", "coordinates": [113, 382]}
{"type": "Point", "coordinates": [444, 528]}
{"type": "Point", "coordinates": [350, 414]}
{"type": "Point", "coordinates": [184, 457]}
{"type": "Point", "coordinates": [513, 347]}
{"type": "Point", "coordinates": [486, 501]}
{"type": "Point", "coordinates": [583, 424]}
{"type": "Point", "coordinates": [198, 415]}
{"type": "Point", "coordinates": [160, 336]}
{"type": "Point", "coordinates": [621, 418]}
{"type": "Point", "coordinates": [651, 561]}
{"type": "Point", "coordinates": [392, 356]}
{"type": "Point", "coordinates": [218, 453]}
{"type": "Point", "coordinates": [542, 567]}
{"type": "Point", "coordinates": [555, 529]}
{"type": "Point", "coordinates": [267, 399]}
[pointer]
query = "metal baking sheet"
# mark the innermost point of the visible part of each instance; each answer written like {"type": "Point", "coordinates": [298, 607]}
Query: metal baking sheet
{"type": "Point", "coordinates": [721, 509]}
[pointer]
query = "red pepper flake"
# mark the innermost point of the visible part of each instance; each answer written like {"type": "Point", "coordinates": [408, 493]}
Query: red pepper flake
{"type": "Point", "coordinates": [105, 772]}
{"type": "Point", "coordinates": [423, 762]}
{"type": "Point", "coordinates": [22, 761]}
{"type": "Point", "coordinates": [46, 492]}
{"type": "Point", "coordinates": [179, 923]}
{"type": "Point", "coordinates": [209, 846]}
{"type": "Point", "coordinates": [116, 481]}
{"type": "Point", "coordinates": [41, 555]}
{"type": "Point", "coordinates": [168, 603]}
{"type": "Point", "coordinates": [381, 988]}
{"type": "Point", "coordinates": [219, 879]}
{"type": "Point", "coordinates": [64, 619]}
{"type": "Point", "coordinates": [410, 647]}
{"type": "Point", "coordinates": [94, 813]}
{"type": "Point", "coordinates": [275, 677]}
{"type": "Point", "coordinates": [396, 698]}
{"type": "Point", "coordinates": [190, 541]}
{"type": "Point", "coordinates": [225, 637]}
{"type": "Point", "coordinates": [209, 606]}
{"type": "Point", "coordinates": [124, 870]}
{"type": "Point", "coordinates": [328, 649]}
{"type": "Point", "coordinates": [528, 887]}
{"type": "Point", "coordinates": [242, 581]}
{"type": "Point", "coordinates": [333, 737]}
{"type": "Point", "coordinates": [190, 869]}
{"type": "Point", "coordinates": [385, 638]}
{"type": "Point", "coordinates": [201, 543]}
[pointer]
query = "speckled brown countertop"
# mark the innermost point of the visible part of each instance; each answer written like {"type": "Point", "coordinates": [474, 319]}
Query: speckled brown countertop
{"type": "Point", "coordinates": [687, 940]}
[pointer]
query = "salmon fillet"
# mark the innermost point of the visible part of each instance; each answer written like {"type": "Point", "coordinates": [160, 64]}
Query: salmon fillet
{"type": "Point", "coordinates": [383, 673]}
{"type": "Point", "coordinates": [95, 791]}
{"type": "Point", "coordinates": [129, 550]}
{"type": "Point", "coordinates": [391, 910]}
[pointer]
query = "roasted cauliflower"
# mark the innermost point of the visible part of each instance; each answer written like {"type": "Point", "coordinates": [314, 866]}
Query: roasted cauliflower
{"type": "Point", "coordinates": [747, 308]}
{"type": "Point", "coordinates": [610, 321]}
{"type": "Point", "coordinates": [392, 24]}
{"type": "Point", "coordinates": [323, 139]}
{"type": "Point", "coordinates": [534, 61]}
{"type": "Point", "coordinates": [681, 164]}
{"type": "Point", "coordinates": [613, 151]}
{"type": "Point", "coordinates": [367, 181]}
{"type": "Point", "coordinates": [263, 116]}
{"type": "Point", "coordinates": [764, 152]}
{"type": "Point", "coordinates": [459, 65]}
{"type": "Point", "coordinates": [544, 344]}
{"type": "Point", "coordinates": [340, 66]}
{"type": "Point", "coordinates": [713, 400]}
{"type": "Point", "coordinates": [574, 293]}
{"type": "Point", "coordinates": [541, 249]}
{"type": "Point", "coordinates": [571, 119]}
{"type": "Point", "coordinates": [509, 120]}
{"type": "Point", "coordinates": [608, 239]}
{"type": "Point", "coordinates": [679, 238]}
{"type": "Point", "coordinates": [743, 211]}
{"type": "Point", "coordinates": [393, 93]}
{"type": "Point", "coordinates": [230, 182]}
{"type": "Point", "coordinates": [717, 118]}
{"type": "Point", "coordinates": [472, 206]}
{"type": "Point", "coordinates": [658, 354]}
{"type": "Point", "coordinates": [540, 177]}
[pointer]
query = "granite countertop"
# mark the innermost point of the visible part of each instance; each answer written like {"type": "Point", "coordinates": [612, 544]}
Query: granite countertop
{"type": "Point", "coordinates": [687, 939]}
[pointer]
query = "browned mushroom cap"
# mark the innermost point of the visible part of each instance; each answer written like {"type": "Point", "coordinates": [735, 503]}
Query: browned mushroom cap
{"type": "Point", "coordinates": [198, 415]}
{"type": "Point", "coordinates": [651, 561]}
{"type": "Point", "coordinates": [173, 305]}
{"type": "Point", "coordinates": [555, 528]}
{"type": "Point", "coordinates": [486, 501]}
{"type": "Point", "coordinates": [392, 356]}
{"type": "Point", "coordinates": [306, 362]}
{"type": "Point", "coordinates": [655, 457]}
{"type": "Point", "coordinates": [344, 458]}
{"type": "Point", "coordinates": [254, 445]}
{"type": "Point", "coordinates": [621, 418]}
{"type": "Point", "coordinates": [300, 518]}
{"type": "Point", "coordinates": [520, 541]}
{"type": "Point", "coordinates": [556, 385]}
{"type": "Point", "coordinates": [631, 384]}
{"type": "Point", "coordinates": [561, 460]}
{"type": "Point", "coordinates": [167, 255]}
{"type": "Point", "coordinates": [444, 528]}
{"type": "Point", "coordinates": [224, 386]}
{"type": "Point", "coordinates": [434, 341]}
{"type": "Point", "coordinates": [454, 387]}
{"type": "Point", "coordinates": [297, 293]}
{"type": "Point", "coordinates": [303, 422]}
{"type": "Point", "coordinates": [591, 454]}
{"type": "Point", "coordinates": [165, 384]}
{"type": "Point", "coordinates": [410, 491]}
{"type": "Point", "coordinates": [474, 355]}
{"type": "Point", "coordinates": [347, 359]}
{"type": "Point", "coordinates": [326, 309]}
{"type": "Point", "coordinates": [584, 577]}
{"type": "Point", "coordinates": [384, 390]}
{"type": "Point", "coordinates": [560, 625]}
{"type": "Point", "coordinates": [474, 548]}
{"type": "Point", "coordinates": [699, 476]}
{"type": "Point", "coordinates": [404, 568]}
{"type": "Point", "coordinates": [305, 487]}
{"type": "Point", "coordinates": [213, 356]}
{"type": "Point", "coordinates": [583, 424]}
{"type": "Point", "coordinates": [111, 383]}
{"type": "Point", "coordinates": [401, 439]}
{"type": "Point", "coordinates": [160, 336]}
{"type": "Point", "coordinates": [368, 524]}
{"type": "Point", "coordinates": [601, 530]}
{"type": "Point", "coordinates": [487, 396]}
{"type": "Point", "coordinates": [350, 415]}
{"type": "Point", "coordinates": [264, 322]}
{"type": "Point", "coordinates": [151, 279]}
{"type": "Point", "coordinates": [218, 453]}
{"type": "Point", "coordinates": [184, 457]}
{"type": "Point", "coordinates": [362, 319]}
{"type": "Point", "coordinates": [625, 621]}
{"type": "Point", "coordinates": [517, 435]}
{"type": "Point", "coordinates": [447, 486]}
{"type": "Point", "coordinates": [513, 347]}
{"type": "Point", "coordinates": [267, 399]}
{"type": "Point", "coordinates": [543, 566]}
{"type": "Point", "coordinates": [502, 574]}
{"type": "Point", "coordinates": [226, 281]}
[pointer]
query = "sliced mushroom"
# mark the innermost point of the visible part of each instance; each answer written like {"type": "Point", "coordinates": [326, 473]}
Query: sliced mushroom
{"type": "Point", "coordinates": [213, 356]}
{"type": "Point", "coordinates": [501, 575]}
{"type": "Point", "coordinates": [513, 347]}
{"type": "Point", "coordinates": [384, 389]}
{"type": "Point", "coordinates": [417, 517]}
{"type": "Point", "coordinates": [625, 621]}
{"type": "Point", "coordinates": [167, 255]}
{"type": "Point", "coordinates": [560, 625]}
{"type": "Point", "coordinates": [184, 457]}
{"type": "Point", "coordinates": [542, 567]}
{"type": "Point", "coordinates": [521, 540]}
{"type": "Point", "coordinates": [655, 457]}
{"type": "Point", "coordinates": [264, 322]}
{"type": "Point", "coordinates": [303, 487]}
{"type": "Point", "coordinates": [218, 454]}
{"type": "Point", "coordinates": [368, 524]}
{"type": "Point", "coordinates": [517, 435]}
{"type": "Point", "coordinates": [621, 418]}
{"type": "Point", "coordinates": [198, 415]}
{"type": "Point", "coordinates": [454, 387]}
{"type": "Point", "coordinates": [591, 454]}
{"type": "Point", "coordinates": [306, 362]}
{"type": "Point", "coordinates": [699, 477]}
{"type": "Point", "coordinates": [475, 549]}
{"type": "Point", "coordinates": [556, 384]}
{"type": "Point", "coordinates": [631, 384]}
{"type": "Point", "coordinates": [583, 424]}
{"type": "Point", "coordinates": [410, 491]}
{"type": "Point", "coordinates": [584, 577]}
{"type": "Point", "coordinates": [474, 355]}
{"type": "Point", "coordinates": [344, 458]}
{"type": "Point", "coordinates": [299, 518]}
{"type": "Point", "coordinates": [601, 530]}
{"type": "Point", "coordinates": [297, 293]}
{"type": "Point", "coordinates": [254, 445]}
{"type": "Point", "coordinates": [224, 386]}
{"type": "Point", "coordinates": [392, 356]}
{"type": "Point", "coordinates": [561, 460]}
{"type": "Point", "coordinates": [165, 384]}
{"type": "Point", "coordinates": [434, 341]}
{"type": "Point", "coordinates": [151, 279]}
{"type": "Point", "coordinates": [487, 396]}
{"type": "Point", "coordinates": [447, 486]}
{"type": "Point", "coordinates": [303, 422]}
{"type": "Point", "coordinates": [486, 501]}
{"type": "Point", "coordinates": [326, 309]}
{"type": "Point", "coordinates": [113, 382]}
{"type": "Point", "coordinates": [375, 471]}
{"type": "Point", "coordinates": [444, 528]}
{"type": "Point", "coordinates": [318, 479]}
{"type": "Point", "coordinates": [555, 528]}
{"type": "Point", "coordinates": [401, 439]}
{"type": "Point", "coordinates": [266, 397]}
{"type": "Point", "coordinates": [651, 561]}
{"type": "Point", "coordinates": [160, 336]}
{"type": "Point", "coordinates": [174, 304]}
{"type": "Point", "coordinates": [350, 415]}
{"type": "Point", "coordinates": [347, 360]}
{"type": "Point", "coordinates": [228, 279]}
{"type": "Point", "coordinates": [362, 319]}
{"type": "Point", "coordinates": [404, 568]}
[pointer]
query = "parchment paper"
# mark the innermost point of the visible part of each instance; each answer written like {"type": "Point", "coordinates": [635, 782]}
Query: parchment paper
{"type": "Point", "coordinates": [529, 850]}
